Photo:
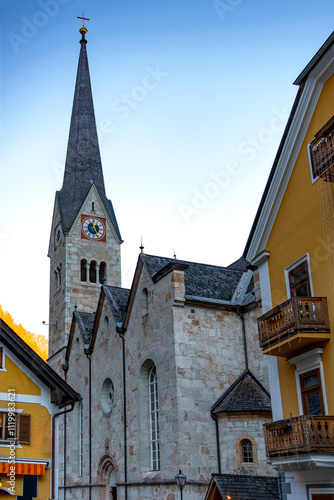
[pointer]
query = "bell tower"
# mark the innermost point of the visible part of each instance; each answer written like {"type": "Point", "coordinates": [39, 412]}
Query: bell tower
{"type": "Point", "coordinates": [85, 240]}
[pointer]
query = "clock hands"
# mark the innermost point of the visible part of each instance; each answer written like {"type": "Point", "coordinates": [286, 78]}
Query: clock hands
{"type": "Point", "coordinates": [94, 224]}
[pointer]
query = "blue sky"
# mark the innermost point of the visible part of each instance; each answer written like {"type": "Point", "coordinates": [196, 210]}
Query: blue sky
{"type": "Point", "coordinates": [191, 99]}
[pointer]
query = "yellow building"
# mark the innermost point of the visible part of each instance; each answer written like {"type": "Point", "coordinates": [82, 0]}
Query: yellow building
{"type": "Point", "coordinates": [32, 398]}
{"type": "Point", "coordinates": [291, 247]}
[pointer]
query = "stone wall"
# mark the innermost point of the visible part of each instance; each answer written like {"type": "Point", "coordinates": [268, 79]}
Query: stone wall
{"type": "Point", "coordinates": [198, 352]}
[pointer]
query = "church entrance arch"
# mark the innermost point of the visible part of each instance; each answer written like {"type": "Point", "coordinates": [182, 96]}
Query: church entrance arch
{"type": "Point", "coordinates": [108, 475]}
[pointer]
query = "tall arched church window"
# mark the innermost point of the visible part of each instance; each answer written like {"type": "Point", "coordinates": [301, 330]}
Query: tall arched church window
{"type": "Point", "coordinates": [102, 272]}
{"type": "Point", "coordinates": [83, 270]}
{"type": "Point", "coordinates": [154, 419]}
{"type": "Point", "coordinates": [92, 271]}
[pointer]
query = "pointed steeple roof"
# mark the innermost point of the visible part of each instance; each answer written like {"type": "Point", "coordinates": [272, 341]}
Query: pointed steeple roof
{"type": "Point", "coordinates": [83, 162]}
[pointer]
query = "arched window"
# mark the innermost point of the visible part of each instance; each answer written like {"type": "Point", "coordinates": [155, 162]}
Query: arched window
{"type": "Point", "coordinates": [149, 444]}
{"type": "Point", "coordinates": [102, 272]}
{"type": "Point", "coordinates": [154, 419]}
{"type": "Point", "coordinates": [59, 275]}
{"type": "Point", "coordinates": [92, 272]}
{"type": "Point", "coordinates": [247, 451]}
{"type": "Point", "coordinates": [83, 270]}
{"type": "Point", "coordinates": [144, 302]}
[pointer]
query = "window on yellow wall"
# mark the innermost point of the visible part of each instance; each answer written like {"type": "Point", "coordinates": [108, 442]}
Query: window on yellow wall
{"type": "Point", "coordinates": [321, 152]}
{"type": "Point", "coordinates": [310, 385]}
{"type": "Point", "coordinates": [14, 427]}
{"type": "Point", "coordinates": [299, 281]}
{"type": "Point", "coordinates": [1, 357]}
{"type": "Point", "coordinates": [298, 278]}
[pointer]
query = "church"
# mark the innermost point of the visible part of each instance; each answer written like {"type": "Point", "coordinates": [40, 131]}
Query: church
{"type": "Point", "coordinates": [170, 371]}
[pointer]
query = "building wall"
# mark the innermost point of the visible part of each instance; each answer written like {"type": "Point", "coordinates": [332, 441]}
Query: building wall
{"type": "Point", "coordinates": [198, 353]}
{"type": "Point", "coordinates": [303, 225]}
{"type": "Point", "coordinates": [30, 398]}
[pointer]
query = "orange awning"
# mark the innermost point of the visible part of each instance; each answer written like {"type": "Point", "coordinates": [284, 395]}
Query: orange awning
{"type": "Point", "coordinates": [23, 468]}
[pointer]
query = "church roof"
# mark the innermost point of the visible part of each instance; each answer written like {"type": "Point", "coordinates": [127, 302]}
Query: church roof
{"type": "Point", "coordinates": [85, 322]}
{"type": "Point", "coordinates": [118, 299]}
{"type": "Point", "coordinates": [202, 280]}
{"type": "Point", "coordinates": [245, 395]}
{"type": "Point", "coordinates": [245, 487]}
{"type": "Point", "coordinates": [83, 165]}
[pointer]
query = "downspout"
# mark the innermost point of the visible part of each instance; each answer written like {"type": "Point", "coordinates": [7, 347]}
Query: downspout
{"type": "Point", "coordinates": [88, 354]}
{"type": "Point", "coordinates": [243, 336]}
{"type": "Point", "coordinates": [65, 368]}
{"type": "Point", "coordinates": [213, 416]}
{"type": "Point", "coordinates": [53, 427]}
{"type": "Point", "coordinates": [120, 330]}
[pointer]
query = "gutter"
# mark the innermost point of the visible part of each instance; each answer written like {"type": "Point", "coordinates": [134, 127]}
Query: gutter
{"type": "Point", "coordinates": [241, 316]}
{"type": "Point", "coordinates": [121, 331]}
{"type": "Point", "coordinates": [88, 353]}
{"type": "Point", "coordinates": [213, 416]}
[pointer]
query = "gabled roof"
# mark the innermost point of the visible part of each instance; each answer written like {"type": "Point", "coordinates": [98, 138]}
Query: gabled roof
{"type": "Point", "coordinates": [246, 395]}
{"type": "Point", "coordinates": [117, 298]}
{"type": "Point", "coordinates": [83, 162]}
{"type": "Point", "coordinates": [243, 487]}
{"type": "Point", "coordinates": [201, 280]}
{"type": "Point", "coordinates": [323, 49]}
{"type": "Point", "coordinates": [85, 322]}
{"type": "Point", "coordinates": [65, 394]}
{"type": "Point", "coordinates": [310, 83]}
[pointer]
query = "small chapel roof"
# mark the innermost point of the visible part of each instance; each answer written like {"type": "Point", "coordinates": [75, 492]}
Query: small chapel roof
{"type": "Point", "coordinates": [118, 299]}
{"type": "Point", "coordinates": [246, 395]}
{"type": "Point", "coordinates": [83, 165]}
{"type": "Point", "coordinates": [244, 487]}
{"type": "Point", "coordinates": [203, 280]}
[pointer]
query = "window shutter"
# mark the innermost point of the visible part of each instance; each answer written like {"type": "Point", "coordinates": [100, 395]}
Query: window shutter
{"type": "Point", "coordinates": [24, 432]}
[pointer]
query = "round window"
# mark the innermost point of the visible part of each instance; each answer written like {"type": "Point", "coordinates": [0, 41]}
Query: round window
{"type": "Point", "coordinates": [107, 396]}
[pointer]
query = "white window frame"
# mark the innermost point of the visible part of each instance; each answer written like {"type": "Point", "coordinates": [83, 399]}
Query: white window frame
{"type": "Point", "coordinates": [287, 270]}
{"type": "Point", "coordinates": [306, 362]}
{"type": "Point", "coordinates": [3, 354]}
{"type": "Point", "coordinates": [325, 490]}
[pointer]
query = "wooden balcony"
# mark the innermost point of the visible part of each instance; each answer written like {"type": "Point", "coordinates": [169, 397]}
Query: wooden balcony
{"type": "Point", "coordinates": [297, 325]}
{"type": "Point", "coordinates": [298, 436]}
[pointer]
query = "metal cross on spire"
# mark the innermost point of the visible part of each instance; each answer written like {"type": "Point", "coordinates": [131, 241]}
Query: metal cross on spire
{"type": "Point", "coordinates": [83, 30]}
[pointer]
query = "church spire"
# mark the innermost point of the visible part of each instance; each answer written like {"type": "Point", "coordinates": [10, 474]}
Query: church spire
{"type": "Point", "coordinates": [83, 162]}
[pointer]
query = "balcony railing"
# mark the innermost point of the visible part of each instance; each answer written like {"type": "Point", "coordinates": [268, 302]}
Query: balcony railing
{"type": "Point", "coordinates": [300, 435]}
{"type": "Point", "coordinates": [297, 324]}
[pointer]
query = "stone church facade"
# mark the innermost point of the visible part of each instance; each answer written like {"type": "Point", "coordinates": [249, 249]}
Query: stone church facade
{"type": "Point", "coordinates": [170, 372]}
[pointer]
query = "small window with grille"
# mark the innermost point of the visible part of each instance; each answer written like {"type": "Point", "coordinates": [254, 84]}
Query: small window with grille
{"type": "Point", "coordinates": [247, 451]}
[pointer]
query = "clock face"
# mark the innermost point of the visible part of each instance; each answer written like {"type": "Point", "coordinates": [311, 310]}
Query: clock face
{"type": "Point", "coordinates": [93, 228]}
{"type": "Point", "coordinates": [57, 236]}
